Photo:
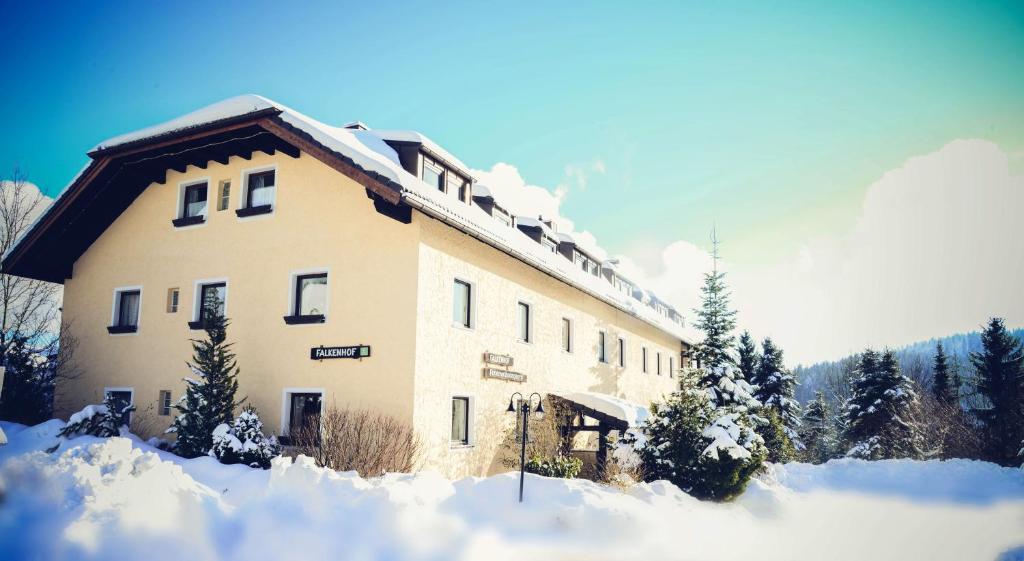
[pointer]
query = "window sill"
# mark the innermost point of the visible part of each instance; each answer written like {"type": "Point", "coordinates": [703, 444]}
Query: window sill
{"type": "Point", "coordinates": [197, 325]}
{"type": "Point", "coordinates": [254, 211]}
{"type": "Point", "coordinates": [460, 446]}
{"type": "Point", "coordinates": [120, 329]}
{"type": "Point", "coordinates": [299, 320]}
{"type": "Point", "coordinates": [188, 221]}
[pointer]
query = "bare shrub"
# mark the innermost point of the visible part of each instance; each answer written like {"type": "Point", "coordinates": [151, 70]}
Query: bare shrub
{"type": "Point", "coordinates": [946, 430]}
{"type": "Point", "coordinates": [359, 440]}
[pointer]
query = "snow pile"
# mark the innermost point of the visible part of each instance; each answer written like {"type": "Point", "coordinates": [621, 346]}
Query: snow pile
{"type": "Point", "coordinates": [118, 499]}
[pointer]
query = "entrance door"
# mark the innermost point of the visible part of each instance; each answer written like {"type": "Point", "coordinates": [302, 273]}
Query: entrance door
{"type": "Point", "coordinates": [305, 415]}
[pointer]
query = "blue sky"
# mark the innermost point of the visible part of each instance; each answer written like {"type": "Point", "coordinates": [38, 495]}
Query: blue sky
{"type": "Point", "coordinates": [769, 120]}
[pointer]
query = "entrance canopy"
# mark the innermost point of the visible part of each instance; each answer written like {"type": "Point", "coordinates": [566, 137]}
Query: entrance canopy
{"type": "Point", "coordinates": [616, 413]}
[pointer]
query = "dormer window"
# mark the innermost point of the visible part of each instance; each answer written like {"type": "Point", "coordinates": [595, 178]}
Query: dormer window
{"type": "Point", "coordinates": [260, 187]}
{"type": "Point", "coordinates": [193, 205]}
{"type": "Point", "coordinates": [432, 173]}
{"type": "Point", "coordinates": [457, 186]}
{"type": "Point", "coordinates": [549, 244]}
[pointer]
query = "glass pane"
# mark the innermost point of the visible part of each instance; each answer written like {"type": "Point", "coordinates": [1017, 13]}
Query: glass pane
{"type": "Point", "coordinates": [524, 322]}
{"type": "Point", "coordinates": [312, 295]}
{"type": "Point", "coordinates": [195, 200]}
{"type": "Point", "coordinates": [128, 311]}
{"type": "Point", "coordinates": [225, 196]}
{"type": "Point", "coordinates": [305, 413]}
{"type": "Point", "coordinates": [460, 420]}
{"type": "Point", "coordinates": [566, 335]}
{"type": "Point", "coordinates": [460, 304]}
{"type": "Point", "coordinates": [121, 399]}
{"type": "Point", "coordinates": [600, 347]}
{"type": "Point", "coordinates": [213, 300]}
{"type": "Point", "coordinates": [261, 189]}
{"type": "Point", "coordinates": [432, 175]}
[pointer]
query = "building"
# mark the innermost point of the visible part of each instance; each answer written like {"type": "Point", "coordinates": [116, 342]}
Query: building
{"type": "Point", "coordinates": [359, 268]}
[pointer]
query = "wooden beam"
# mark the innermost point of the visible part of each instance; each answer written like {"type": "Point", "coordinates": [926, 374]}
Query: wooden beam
{"type": "Point", "coordinates": [333, 160]}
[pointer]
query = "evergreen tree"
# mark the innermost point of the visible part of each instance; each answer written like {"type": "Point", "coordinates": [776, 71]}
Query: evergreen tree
{"type": "Point", "coordinates": [27, 395]}
{"type": "Point", "coordinates": [708, 453]}
{"type": "Point", "coordinates": [945, 384]}
{"type": "Point", "coordinates": [99, 420]}
{"type": "Point", "coordinates": [817, 431]}
{"type": "Point", "coordinates": [746, 351]}
{"type": "Point", "coordinates": [776, 438]}
{"type": "Point", "coordinates": [999, 380]}
{"type": "Point", "coordinates": [719, 376]}
{"type": "Point", "coordinates": [881, 412]}
{"type": "Point", "coordinates": [209, 398]}
{"type": "Point", "coordinates": [773, 388]}
{"type": "Point", "coordinates": [243, 442]}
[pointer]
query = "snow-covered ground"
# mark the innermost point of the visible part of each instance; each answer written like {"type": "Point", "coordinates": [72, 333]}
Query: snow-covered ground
{"type": "Point", "coordinates": [118, 498]}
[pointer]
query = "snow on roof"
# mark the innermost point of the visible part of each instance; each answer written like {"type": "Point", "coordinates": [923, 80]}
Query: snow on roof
{"type": "Point", "coordinates": [633, 414]}
{"type": "Point", "coordinates": [430, 145]}
{"type": "Point", "coordinates": [368, 150]}
{"type": "Point", "coordinates": [482, 191]}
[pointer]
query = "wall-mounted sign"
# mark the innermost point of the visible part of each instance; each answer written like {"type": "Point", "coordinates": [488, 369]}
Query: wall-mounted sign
{"type": "Point", "coordinates": [504, 375]}
{"type": "Point", "coordinates": [356, 351]}
{"type": "Point", "coordinates": [498, 360]}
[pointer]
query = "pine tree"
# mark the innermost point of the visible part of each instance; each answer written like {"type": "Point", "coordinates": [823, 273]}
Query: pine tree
{"type": "Point", "coordinates": [817, 431]}
{"type": "Point", "coordinates": [774, 387]}
{"type": "Point", "coordinates": [945, 384]}
{"type": "Point", "coordinates": [881, 412]}
{"type": "Point", "coordinates": [719, 376]}
{"type": "Point", "coordinates": [243, 442]}
{"type": "Point", "coordinates": [98, 420]}
{"type": "Point", "coordinates": [999, 380]}
{"type": "Point", "coordinates": [776, 438]}
{"type": "Point", "coordinates": [708, 453]}
{"type": "Point", "coordinates": [209, 398]}
{"type": "Point", "coordinates": [27, 394]}
{"type": "Point", "coordinates": [746, 351]}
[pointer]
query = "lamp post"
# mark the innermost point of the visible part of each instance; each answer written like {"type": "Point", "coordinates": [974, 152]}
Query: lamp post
{"type": "Point", "coordinates": [524, 405]}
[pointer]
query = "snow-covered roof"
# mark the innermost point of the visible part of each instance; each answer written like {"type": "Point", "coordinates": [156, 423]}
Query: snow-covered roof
{"type": "Point", "coordinates": [368, 150]}
{"type": "Point", "coordinates": [430, 145]}
{"type": "Point", "coordinates": [633, 414]}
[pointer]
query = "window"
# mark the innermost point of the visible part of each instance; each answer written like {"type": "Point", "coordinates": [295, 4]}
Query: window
{"type": "Point", "coordinates": [460, 421]}
{"type": "Point", "coordinates": [122, 398]}
{"type": "Point", "coordinates": [602, 351]}
{"type": "Point", "coordinates": [260, 190]}
{"type": "Point", "coordinates": [225, 195]}
{"type": "Point", "coordinates": [304, 415]}
{"type": "Point", "coordinates": [567, 335]}
{"type": "Point", "coordinates": [211, 300]}
{"type": "Point", "coordinates": [126, 310]}
{"type": "Point", "coordinates": [432, 173]}
{"type": "Point", "coordinates": [657, 365]}
{"type": "Point", "coordinates": [622, 352]}
{"type": "Point", "coordinates": [524, 322]}
{"type": "Point", "coordinates": [172, 300]}
{"type": "Point", "coordinates": [671, 367]}
{"type": "Point", "coordinates": [194, 201]}
{"type": "Point", "coordinates": [643, 359]}
{"type": "Point", "coordinates": [311, 295]}
{"type": "Point", "coordinates": [462, 307]}
{"type": "Point", "coordinates": [456, 185]}
{"type": "Point", "coordinates": [549, 244]}
{"type": "Point", "coordinates": [165, 402]}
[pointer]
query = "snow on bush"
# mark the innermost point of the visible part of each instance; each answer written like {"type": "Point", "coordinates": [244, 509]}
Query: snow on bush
{"type": "Point", "coordinates": [117, 499]}
{"type": "Point", "coordinates": [243, 442]}
{"type": "Point", "coordinates": [98, 420]}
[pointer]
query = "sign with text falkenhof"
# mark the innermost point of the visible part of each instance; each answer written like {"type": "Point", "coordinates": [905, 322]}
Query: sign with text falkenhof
{"type": "Point", "coordinates": [355, 351]}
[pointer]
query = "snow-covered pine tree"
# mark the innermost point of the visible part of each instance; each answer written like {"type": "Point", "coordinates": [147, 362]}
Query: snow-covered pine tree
{"type": "Point", "coordinates": [999, 380]}
{"type": "Point", "coordinates": [243, 441]}
{"type": "Point", "coordinates": [98, 420]}
{"type": "Point", "coordinates": [709, 453]}
{"type": "Point", "coordinates": [774, 387]}
{"type": "Point", "coordinates": [209, 398]}
{"type": "Point", "coordinates": [817, 431]}
{"type": "Point", "coordinates": [881, 413]}
{"type": "Point", "coordinates": [719, 375]}
{"type": "Point", "coordinates": [746, 352]}
{"type": "Point", "coordinates": [945, 384]}
{"type": "Point", "coordinates": [776, 438]}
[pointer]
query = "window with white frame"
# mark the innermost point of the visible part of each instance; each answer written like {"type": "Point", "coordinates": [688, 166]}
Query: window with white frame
{"type": "Point", "coordinates": [462, 304]}
{"type": "Point", "coordinates": [193, 201]}
{"type": "Point", "coordinates": [304, 411]}
{"type": "Point", "coordinates": [602, 350]}
{"type": "Point", "coordinates": [259, 189]}
{"type": "Point", "coordinates": [127, 304]}
{"type": "Point", "coordinates": [460, 420]}
{"type": "Point", "coordinates": [567, 335]}
{"type": "Point", "coordinates": [211, 301]}
{"type": "Point", "coordinates": [122, 399]}
{"type": "Point", "coordinates": [671, 367]}
{"type": "Point", "coordinates": [310, 293]}
{"type": "Point", "coordinates": [524, 320]}
{"type": "Point", "coordinates": [164, 404]}
{"type": "Point", "coordinates": [432, 173]}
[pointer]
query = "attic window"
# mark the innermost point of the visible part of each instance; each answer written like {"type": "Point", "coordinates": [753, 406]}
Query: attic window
{"type": "Point", "coordinates": [193, 205]}
{"type": "Point", "coordinates": [259, 193]}
{"type": "Point", "coordinates": [432, 173]}
{"type": "Point", "coordinates": [456, 185]}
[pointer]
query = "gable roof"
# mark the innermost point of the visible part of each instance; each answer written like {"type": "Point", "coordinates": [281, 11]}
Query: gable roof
{"type": "Point", "coordinates": [239, 126]}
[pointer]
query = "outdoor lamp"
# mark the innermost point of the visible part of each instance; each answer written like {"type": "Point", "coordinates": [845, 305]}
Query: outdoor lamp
{"type": "Point", "coordinates": [539, 412]}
